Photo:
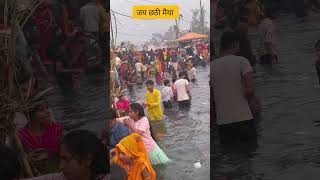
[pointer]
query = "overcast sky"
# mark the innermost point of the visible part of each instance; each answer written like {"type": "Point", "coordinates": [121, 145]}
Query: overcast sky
{"type": "Point", "coordinates": [140, 31]}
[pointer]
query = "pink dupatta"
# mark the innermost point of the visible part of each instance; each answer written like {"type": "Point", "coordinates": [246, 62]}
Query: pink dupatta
{"type": "Point", "coordinates": [49, 140]}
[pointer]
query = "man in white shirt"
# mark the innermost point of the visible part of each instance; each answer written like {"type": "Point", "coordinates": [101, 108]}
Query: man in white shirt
{"type": "Point", "coordinates": [182, 89]}
{"type": "Point", "coordinates": [233, 89]}
{"type": "Point", "coordinates": [139, 66]}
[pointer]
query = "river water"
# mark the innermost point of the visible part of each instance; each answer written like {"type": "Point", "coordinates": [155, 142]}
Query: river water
{"type": "Point", "coordinates": [184, 135]}
{"type": "Point", "coordinates": [186, 138]}
{"type": "Point", "coordinates": [289, 136]}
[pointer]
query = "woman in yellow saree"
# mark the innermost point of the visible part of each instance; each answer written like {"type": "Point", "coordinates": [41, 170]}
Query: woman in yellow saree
{"type": "Point", "coordinates": [131, 155]}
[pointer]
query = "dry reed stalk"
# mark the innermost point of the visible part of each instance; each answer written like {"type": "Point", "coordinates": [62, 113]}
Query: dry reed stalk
{"type": "Point", "coordinates": [12, 97]}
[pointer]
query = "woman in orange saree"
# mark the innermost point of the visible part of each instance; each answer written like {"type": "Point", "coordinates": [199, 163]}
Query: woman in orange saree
{"type": "Point", "coordinates": [132, 156]}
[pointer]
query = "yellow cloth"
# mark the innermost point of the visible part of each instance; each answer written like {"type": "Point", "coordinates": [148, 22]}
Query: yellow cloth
{"type": "Point", "coordinates": [157, 65]}
{"type": "Point", "coordinates": [165, 56]}
{"type": "Point", "coordinates": [155, 112]}
{"type": "Point", "coordinates": [133, 146]}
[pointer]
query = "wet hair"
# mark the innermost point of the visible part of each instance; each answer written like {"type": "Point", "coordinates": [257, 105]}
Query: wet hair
{"type": "Point", "coordinates": [228, 39]}
{"type": "Point", "coordinates": [9, 163]}
{"type": "Point", "coordinates": [181, 74]}
{"type": "Point", "coordinates": [317, 45]}
{"type": "Point", "coordinates": [166, 82]}
{"type": "Point", "coordinates": [150, 82]}
{"type": "Point", "coordinates": [82, 143]}
{"type": "Point", "coordinates": [138, 108]}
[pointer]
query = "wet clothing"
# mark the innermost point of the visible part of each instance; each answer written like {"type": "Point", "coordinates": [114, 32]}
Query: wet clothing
{"type": "Point", "coordinates": [230, 102]}
{"type": "Point", "coordinates": [167, 104]}
{"type": "Point", "coordinates": [180, 87]}
{"type": "Point", "coordinates": [238, 132]}
{"type": "Point", "coordinates": [156, 155]}
{"type": "Point", "coordinates": [132, 146]}
{"type": "Point", "coordinates": [155, 112]}
{"type": "Point", "coordinates": [184, 104]}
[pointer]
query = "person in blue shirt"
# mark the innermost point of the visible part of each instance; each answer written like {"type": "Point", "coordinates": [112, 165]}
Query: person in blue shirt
{"type": "Point", "coordinates": [118, 131]}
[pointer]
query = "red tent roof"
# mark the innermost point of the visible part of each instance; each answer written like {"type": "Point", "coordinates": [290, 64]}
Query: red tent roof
{"type": "Point", "coordinates": [191, 36]}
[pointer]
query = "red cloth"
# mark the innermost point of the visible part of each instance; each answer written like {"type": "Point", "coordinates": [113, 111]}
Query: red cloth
{"type": "Point", "coordinates": [123, 105]}
{"type": "Point", "coordinates": [49, 140]}
{"type": "Point", "coordinates": [123, 71]}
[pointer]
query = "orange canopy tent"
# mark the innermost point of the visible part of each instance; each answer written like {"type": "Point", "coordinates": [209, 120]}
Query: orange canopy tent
{"type": "Point", "coordinates": [191, 36]}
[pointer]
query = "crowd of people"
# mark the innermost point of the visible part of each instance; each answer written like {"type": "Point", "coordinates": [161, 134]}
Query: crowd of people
{"type": "Point", "coordinates": [170, 68]}
{"type": "Point", "coordinates": [58, 40]}
{"type": "Point", "coordinates": [136, 66]}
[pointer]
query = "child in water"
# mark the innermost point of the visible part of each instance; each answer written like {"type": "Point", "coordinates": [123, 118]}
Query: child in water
{"type": "Point", "coordinates": [139, 123]}
{"type": "Point", "coordinates": [167, 95]}
{"type": "Point", "coordinates": [193, 72]}
{"type": "Point", "coordinates": [317, 64]}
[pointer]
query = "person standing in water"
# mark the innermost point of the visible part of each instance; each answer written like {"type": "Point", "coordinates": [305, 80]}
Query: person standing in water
{"type": "Point", "coordinates": [266, 36]}
{"type": "Point", "coordinates": [167, 95]}
{"type": "Point", "coordinates": [132, 156]}
{"type": "Point", "coordinates": [317, 48]}
{"type": "Point", "coordinates": [139, 123]}
{"type": "Point", "coordinates": [232, 84]}
{"type": "Point", "coordinates": [153, 102]}
{"type": "Point", "coordinates": [182, 89]}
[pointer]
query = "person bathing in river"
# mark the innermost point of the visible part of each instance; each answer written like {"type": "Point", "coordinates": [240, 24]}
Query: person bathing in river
{"type": "Point", "coordinates": [139, 123]}
{"type": "Point", "coordinates": [193, 73]}
{"type": "Point", "coordinates": [158, 70]}
{"type": "Point", "coordinates": [182, 89]}
{"type": "Point", "coordinates": [167, 95]}
{"type": "Point", "coordinates": [153, 102]}
{"type": "Point", "coordinates": [40, 138]}
{"type": "Point", "coordinates": [123, 104]}
{"type": "Point", "coordinates": [317, 64]}
{"type": "Point", "coordinates": [266, 37]}
{"type": "Point", "coordinates": [118, 131]}
{"type": "Point", "coordinates": [132, 156]}
{"type": "Point", "coordinates": [232, 84]}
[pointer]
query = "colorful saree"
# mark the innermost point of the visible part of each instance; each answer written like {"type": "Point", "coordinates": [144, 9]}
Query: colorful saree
{"type": "Point", "coordinates": [133, 146]}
